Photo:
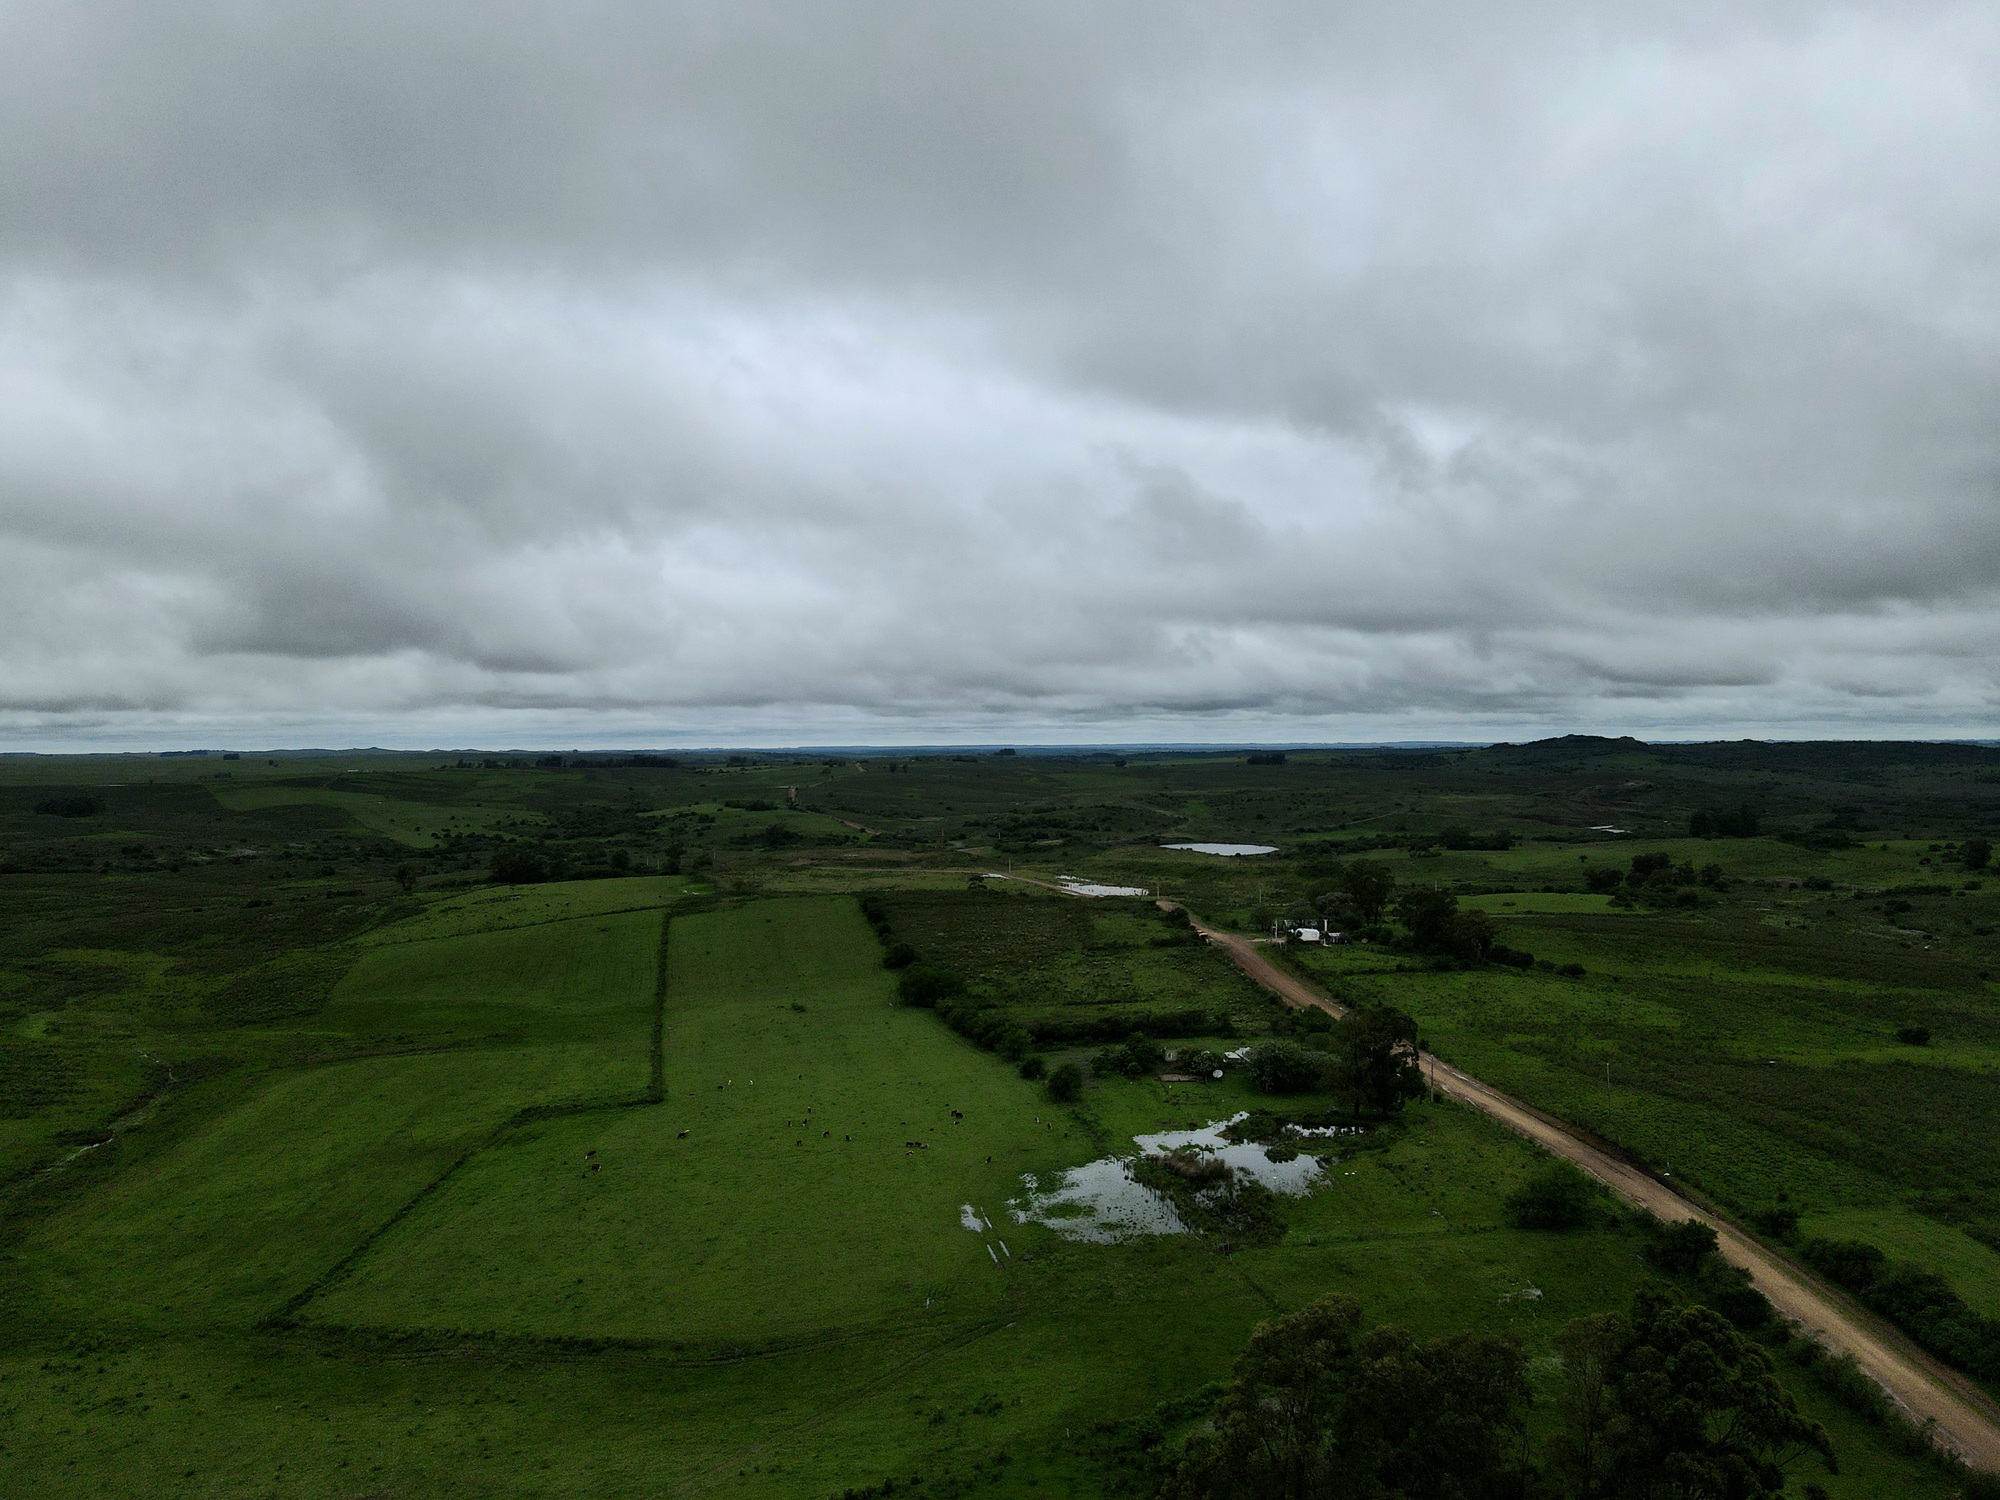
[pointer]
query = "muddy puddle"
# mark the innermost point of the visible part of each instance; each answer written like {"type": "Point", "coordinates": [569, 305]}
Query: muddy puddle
{"type": "Point", "coordinates": [1102, 1203]}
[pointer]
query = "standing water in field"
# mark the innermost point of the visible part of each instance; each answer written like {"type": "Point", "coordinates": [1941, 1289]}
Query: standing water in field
{"type": "Point", "coordinates": [1077, 887]}
{"type": "Point", "coordinates": [1229, 850]}
{"type": "Point", "coordinates": [1103, 1202]}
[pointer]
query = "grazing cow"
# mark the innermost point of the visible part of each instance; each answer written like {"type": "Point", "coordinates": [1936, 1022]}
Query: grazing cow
{"type": "Point", "coordinates": [682, 1136]}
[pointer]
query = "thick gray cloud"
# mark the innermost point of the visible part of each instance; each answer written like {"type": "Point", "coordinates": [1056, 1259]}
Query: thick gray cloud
{"type": "Point", "coordinates": [638, 374]}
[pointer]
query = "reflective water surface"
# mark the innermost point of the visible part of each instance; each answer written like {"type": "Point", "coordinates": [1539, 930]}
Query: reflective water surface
{"type": "Point", "coordinates": [1100, 1201]}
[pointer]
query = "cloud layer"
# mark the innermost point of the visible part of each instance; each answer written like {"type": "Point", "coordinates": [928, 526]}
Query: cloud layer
{"type": "Point", "coordinates": [559, 374]}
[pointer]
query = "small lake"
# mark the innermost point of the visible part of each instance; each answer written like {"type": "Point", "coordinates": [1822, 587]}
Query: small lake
{"type": "Point", "coordinates": [1227, 850]}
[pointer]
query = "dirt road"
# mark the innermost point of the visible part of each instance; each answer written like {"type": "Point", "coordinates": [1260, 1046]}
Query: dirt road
{"type": "Point", "coordinates": [1968, 1422]}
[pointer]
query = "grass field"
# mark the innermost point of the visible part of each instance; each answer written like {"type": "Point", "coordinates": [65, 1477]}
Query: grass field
{"type": "Point", "coordinates": [769, 1310]}
{"type": "Point", "coordinates": [244, 1214]}
{"type": "Point", "coordinates": [1758, 1065]}
{"type": "Point", "coordinates": [771, 1196]}
{"type": "Point", "coordinates": [330, 1103]}
{"type": "Point", "coordinates": [1069, 970]}
{"type": "Point", "coordinates": [421, 825]}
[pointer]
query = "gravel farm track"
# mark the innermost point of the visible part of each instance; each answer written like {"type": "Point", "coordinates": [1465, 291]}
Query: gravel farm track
{"type": "Point", "coordinates": [1961, 1417]}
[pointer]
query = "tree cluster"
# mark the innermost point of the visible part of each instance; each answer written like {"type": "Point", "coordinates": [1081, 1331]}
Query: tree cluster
{"type": "Point", "coordinates": [1657, 877]}
{"type": "Point", "coordinates": [1137, 1056]}
{"type": "Point", "coordinates": [1687, 1250]}
{"type": "Point", "coordinates": [1437, 925]}
{"type": "Point", "coordinates": [1665, 1401]}
{"type": "Point", "coordinates": [1350, 897]}
{"type": "Point", "coordinates": [1370, 1056]}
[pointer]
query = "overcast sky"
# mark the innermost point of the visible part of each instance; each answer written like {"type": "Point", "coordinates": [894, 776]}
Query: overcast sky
{"type": "Point", "coordinates": [569, 374]}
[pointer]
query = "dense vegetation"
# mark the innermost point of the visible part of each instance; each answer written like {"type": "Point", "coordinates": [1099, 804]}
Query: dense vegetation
{"type": "Point", "coordinates": [1668, 1400]}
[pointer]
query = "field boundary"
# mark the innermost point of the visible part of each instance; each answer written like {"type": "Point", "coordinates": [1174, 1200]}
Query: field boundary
{"type": "Point", "coordinates": [414, 1344]}
{"type": "Point", "coordinates": [365, 942]}
{"type": "Point", "coordinates": [656, 1083]}
{"type": "Point", "coordinates": [286, 1315]}
{"type": "Point", "coordinates": [531, 1114]}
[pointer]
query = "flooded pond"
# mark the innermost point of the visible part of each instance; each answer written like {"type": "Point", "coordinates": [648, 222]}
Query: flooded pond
{"type": "Point", "coordinates": [1078, 887]}
{"type": "Point", "coordinates": [1228, 850]}
{"type": "Point", "coordinates": [1102, 1202]}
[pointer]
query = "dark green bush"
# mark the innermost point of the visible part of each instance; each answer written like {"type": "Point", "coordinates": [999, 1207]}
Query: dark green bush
{"type": "Point", "coordinates": [1281, 1067]}
{"type": "Point", "coordinates": [519, 867]}
{"type": "Point", "coordinates": [1680, 1249]}
{"type": "Point", "coordinates": [69, 807]}
{"type": "Point", "coordinates": [1556, 1197]}
{"type": "Point", "coordinates": [1780, 1221]}
{"type": "Point", "coordinates": [927, 986]}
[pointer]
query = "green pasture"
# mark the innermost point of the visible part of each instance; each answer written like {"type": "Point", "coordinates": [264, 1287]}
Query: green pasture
{"type": "Point", "coordinates": [1972, 1267]}
{"type": "Point", "coordinates": [295, 1187]}
{"type": "Point", "coordinates": [737, 825]}
{"type": "Point", "coordinates": [229, 1222]}
{"type": "Point", "coordinates": [738, 1311]}
{"type": "Point", "coordinates": [1757, 1063]}
{"type": "Point", "coordinates": [773, 1195]}
{"type": "Point", "coordinates": [505, 907]}
{"type": "Point", "coordinates": [419, 824]}
{"type": "Point", "coordinates": [587, 979]}
{"type": "Point", "coordinates": [1052, 959]}
{"type": "Point", "coordinates": [1540, 903]}
{"type": "Point", "coordinates": [225, 1227]}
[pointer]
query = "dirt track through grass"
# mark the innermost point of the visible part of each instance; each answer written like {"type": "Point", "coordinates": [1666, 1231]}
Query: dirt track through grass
{"type": "Point", "coordinates": [1967, 1421]}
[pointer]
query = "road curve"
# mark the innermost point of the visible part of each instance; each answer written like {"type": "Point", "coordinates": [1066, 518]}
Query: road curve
{"type": "Point", "coordinates": [1967, 1422]}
